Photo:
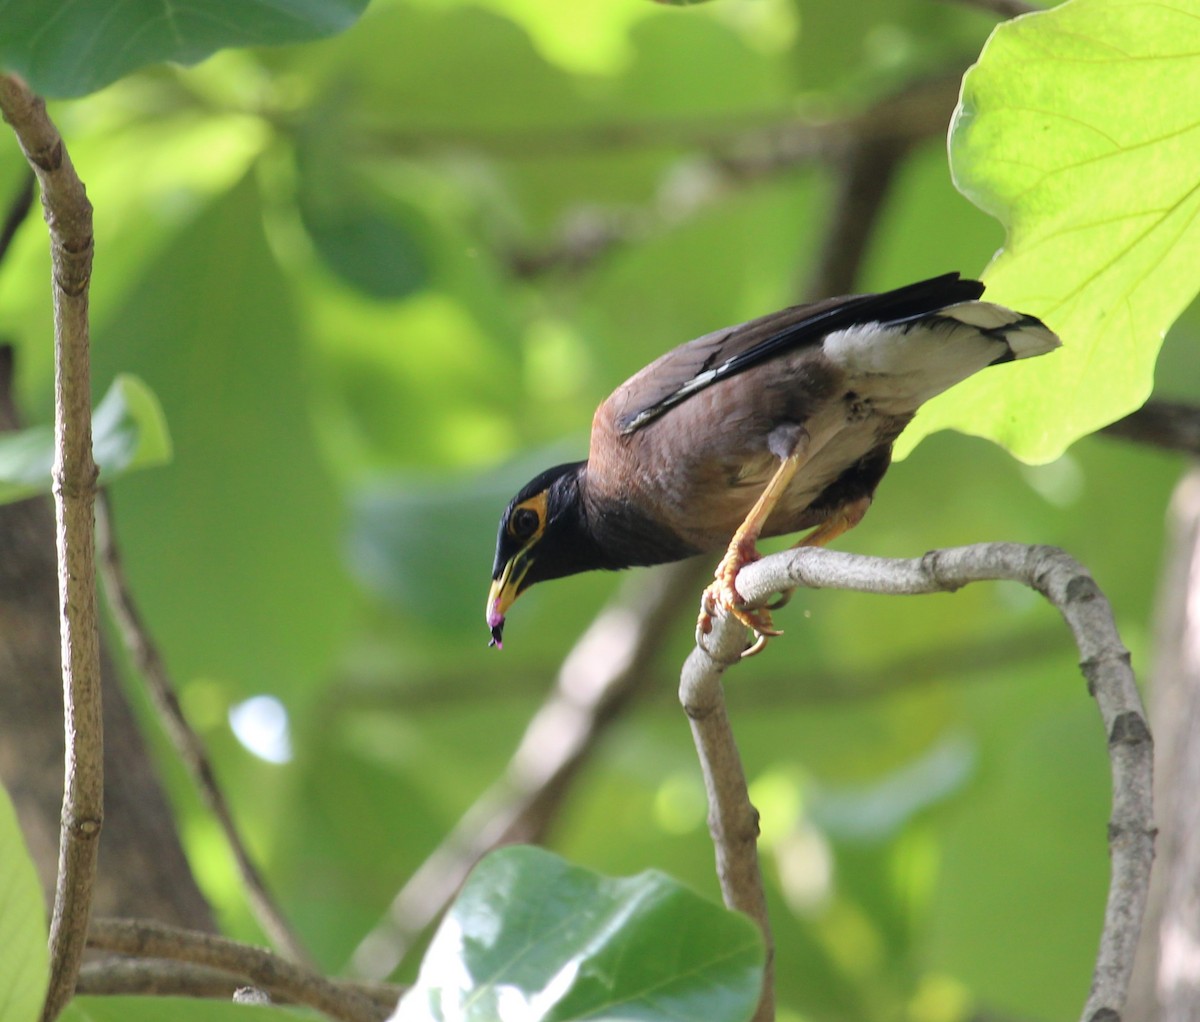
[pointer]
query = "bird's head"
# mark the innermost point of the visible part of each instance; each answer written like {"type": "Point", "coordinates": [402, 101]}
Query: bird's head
{"type": "Point", "coordinates": [543, 534]}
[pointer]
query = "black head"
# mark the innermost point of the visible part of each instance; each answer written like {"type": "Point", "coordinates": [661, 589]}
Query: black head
{"type": "Point", "coordinates": [543, 535]}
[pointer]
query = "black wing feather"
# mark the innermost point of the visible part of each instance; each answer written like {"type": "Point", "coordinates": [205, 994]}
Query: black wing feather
{"type": "Point", "coordinates": [912, 302]}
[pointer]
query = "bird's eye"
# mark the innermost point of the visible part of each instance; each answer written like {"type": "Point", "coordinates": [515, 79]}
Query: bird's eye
{"type": "Point", "coordinates": [524, 523]}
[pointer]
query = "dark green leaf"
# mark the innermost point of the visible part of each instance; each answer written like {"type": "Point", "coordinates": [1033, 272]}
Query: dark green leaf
{"type": "Point", "coordinates": [68, 49]}
{"type": "Point", "coordinates": [535, 938]}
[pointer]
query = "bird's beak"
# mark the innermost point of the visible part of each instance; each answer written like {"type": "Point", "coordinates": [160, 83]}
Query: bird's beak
{"type": "Point", "coordinates": [504, 592]}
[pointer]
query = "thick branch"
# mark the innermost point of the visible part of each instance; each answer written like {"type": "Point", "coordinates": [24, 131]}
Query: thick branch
{"type": "Point", "coordinates": [69, 217]}
{"type": "Point", "coordinates": [146, 939]}
{"type": "Point", "coordinates": [1104, 662]}
{"type": "Point", "coordinates": [145, 655]}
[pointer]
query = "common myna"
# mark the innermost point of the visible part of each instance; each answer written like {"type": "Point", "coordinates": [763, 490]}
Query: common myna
{"type": "Point", "coordinates": [777, 425]}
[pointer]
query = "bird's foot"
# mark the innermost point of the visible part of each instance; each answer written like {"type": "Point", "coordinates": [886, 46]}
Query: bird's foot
{"type": "Point", "coordinates": [721, 597]}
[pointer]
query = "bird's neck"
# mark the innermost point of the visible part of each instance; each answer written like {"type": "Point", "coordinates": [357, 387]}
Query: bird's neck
{"type": "Point", "coordinates": [625, 536]}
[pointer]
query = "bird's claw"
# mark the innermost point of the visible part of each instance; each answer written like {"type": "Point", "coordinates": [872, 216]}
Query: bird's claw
{"type": "Point", "coordinates": [721, 597]}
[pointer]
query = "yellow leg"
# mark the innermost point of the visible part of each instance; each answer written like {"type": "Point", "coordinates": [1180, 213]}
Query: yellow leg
{"type": "Point", "coordinates": [743, 550]}
{"type": "Point", "coordinates": [842, 521]}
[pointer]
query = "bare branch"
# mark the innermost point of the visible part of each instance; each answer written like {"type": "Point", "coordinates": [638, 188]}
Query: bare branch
{"type": "Point", "coordinates": [1171, 425]}
{"type": "Point", "coordinates": [1104, 662]}
{"type": "Point", "coordinates": [69, 217]}
{"type": "Point", "coordinates": [263, 968]}
{"type": "Point", "coordinates": [149, 662]}
{"type": "Point", "coordinates": [610, 665]}
{"type": "Point", "coordinates": [732, 820]}
{"type": "Point", "coordinates": [156, 977]}
{"type": "Point", "coordinates": [18, 210]}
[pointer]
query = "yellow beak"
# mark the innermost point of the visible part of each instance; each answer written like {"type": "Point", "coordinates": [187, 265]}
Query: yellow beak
{"type": "Point", "coordinates": [504, 592]}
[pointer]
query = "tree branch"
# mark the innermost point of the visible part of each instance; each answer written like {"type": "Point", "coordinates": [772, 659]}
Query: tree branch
{"type": "Point", "coordinates": [1171, 425]}
{"type": "Point", "coordinates": [732, 819]}
{"type": "Point", "coordinates": [18, 210]}
{"type": "Point", "coordinates": [609, 666]}
{"type": "Point", "coordinates": [146, 657]}
{"type": "Point", "coordinates": [1104, 662]}
{"type": "Point", "coordinates": [69, 217]}
{"type": "Point", "coordinates": [146, 939]}
{"type": "Point", "coordinates": [156, 977]}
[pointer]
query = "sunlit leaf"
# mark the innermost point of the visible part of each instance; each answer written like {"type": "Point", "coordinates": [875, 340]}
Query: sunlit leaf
{"type": "Point", "coordinates": [68, 49]}
{"type": "Point", "coordinates": [1079, 128]}
{"type": "Point", "coordinates": [535, 938]}
{"type": "Point", "coordinates": [129, 432]}
{"type": "Point", "coordinates": [25, 963]}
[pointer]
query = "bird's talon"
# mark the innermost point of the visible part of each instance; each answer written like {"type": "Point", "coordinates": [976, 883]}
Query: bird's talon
{"type": "Point", "coordinates": [782, 599]}
{"type": "Point", "coordinates": [757, 646]}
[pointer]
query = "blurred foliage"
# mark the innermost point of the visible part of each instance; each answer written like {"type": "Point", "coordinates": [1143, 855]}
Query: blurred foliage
{"type": "Point", "coordinates": [377, 280]}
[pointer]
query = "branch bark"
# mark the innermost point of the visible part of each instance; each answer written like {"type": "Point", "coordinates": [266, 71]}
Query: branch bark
{"type": "Point", "coordinates": [69, 218]}
{"type": "Point", "coordinates": [1104, 662]}
{"type": "Point", "coordinates": [145, 939]}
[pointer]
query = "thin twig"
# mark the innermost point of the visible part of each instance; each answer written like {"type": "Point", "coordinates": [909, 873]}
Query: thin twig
{"type": "Point", "coordinates": [610, 665]}
{"type": "Point", "coordinates": [69, 217]}
{"type": "Point", "coordinates": [1104, 662]}
{"type": "Point", "coordinates": [149, 661]}
{"type": "Point", "coordinates": [156, 977]}
{"type": "Point", "coordinates": [18, 210]}
{"type": "Point", "coordinates": [146, 939]}
{"type": "Point", "coordinates": [864, 180]}
{"type": "Point", "coordinates": [1171, 425]}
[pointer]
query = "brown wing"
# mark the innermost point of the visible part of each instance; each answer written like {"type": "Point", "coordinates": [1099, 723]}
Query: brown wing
{"type": "Point", "coordinates": [698, 364]}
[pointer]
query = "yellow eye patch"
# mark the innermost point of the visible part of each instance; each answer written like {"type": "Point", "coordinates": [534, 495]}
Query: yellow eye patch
{"type": "Point", "coordinates": [528, 519]}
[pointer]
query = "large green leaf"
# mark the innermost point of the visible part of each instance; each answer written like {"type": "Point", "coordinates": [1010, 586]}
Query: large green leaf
{"type": "Point", "coordinates": [25, 963]}
{"type": "Point", "coordinates": [68, 49]}
{"type": "Point", "coordinates": [535, 938]}
{"type": "Point", "coordinates": [1079, 128]}
{"type": "Point", "coordinates": [129, 431]}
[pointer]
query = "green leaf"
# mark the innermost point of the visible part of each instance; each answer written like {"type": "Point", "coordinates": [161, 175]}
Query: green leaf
{"type": "Point", "coordinates": [534, 937]}
{"type": "Point", "coordinates": [68, 49]}
{"type": "Point", "coordinates": [1079, 128]}
{"type": "Point", "coordinates": [129, 432]}
{"type": "Point", "coordinates": [25, 963]}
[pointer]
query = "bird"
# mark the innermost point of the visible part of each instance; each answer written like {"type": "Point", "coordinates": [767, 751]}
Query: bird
{"type": "Point", "coordinates": [767, 428]}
